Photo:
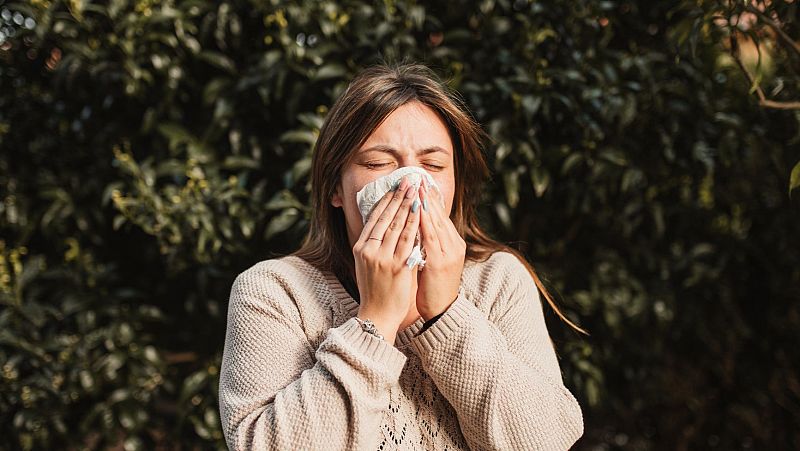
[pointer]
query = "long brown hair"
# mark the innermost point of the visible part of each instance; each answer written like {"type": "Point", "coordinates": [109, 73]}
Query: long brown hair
{"type": "Point", "coordinates": [371, 96]}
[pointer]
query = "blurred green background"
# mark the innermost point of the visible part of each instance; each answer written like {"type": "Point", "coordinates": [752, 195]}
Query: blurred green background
{"type": "Point", "coordinates": [642, 159]}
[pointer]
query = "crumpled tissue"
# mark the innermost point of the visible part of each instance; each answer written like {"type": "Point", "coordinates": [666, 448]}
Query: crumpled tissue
{"type": "Point", "coordinates": [372, 192]}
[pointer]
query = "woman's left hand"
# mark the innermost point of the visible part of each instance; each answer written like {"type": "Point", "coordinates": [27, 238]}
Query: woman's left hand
{"type": "Point", "coordinates": [445, 250]}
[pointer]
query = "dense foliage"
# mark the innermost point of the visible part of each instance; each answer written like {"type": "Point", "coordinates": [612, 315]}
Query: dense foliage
{"type": "Point", "coordinates": [152, 150]}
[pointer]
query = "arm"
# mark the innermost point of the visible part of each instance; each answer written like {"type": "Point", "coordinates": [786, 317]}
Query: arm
{"type": "Point", "coordinates": [501, 373]}
{"type": "Point", "coordinates": [276, 392]}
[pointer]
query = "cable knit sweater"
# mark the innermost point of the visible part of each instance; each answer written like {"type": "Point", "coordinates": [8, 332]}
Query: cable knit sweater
{"type": "Point", "coordinates": [299, 373]}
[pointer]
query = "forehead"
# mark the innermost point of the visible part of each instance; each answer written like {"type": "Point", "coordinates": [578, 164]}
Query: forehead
{"type": "Point", "coordinates": [413, 126]}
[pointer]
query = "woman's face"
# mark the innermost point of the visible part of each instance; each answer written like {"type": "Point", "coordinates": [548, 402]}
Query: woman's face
{"type": "Point", "coordinates": [412, 135]}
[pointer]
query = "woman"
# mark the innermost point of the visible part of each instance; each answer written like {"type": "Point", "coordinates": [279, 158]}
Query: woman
{"type": "Point", "coordinates": [341, 346]}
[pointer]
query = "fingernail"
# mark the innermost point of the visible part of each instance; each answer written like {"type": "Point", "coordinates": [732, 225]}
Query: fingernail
{"type": "Point", "coordinates": [415, 206]}
{"type": "Point", "coordinates": [425, 204]}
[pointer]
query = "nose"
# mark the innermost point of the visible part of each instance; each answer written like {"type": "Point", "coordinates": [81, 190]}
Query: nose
{"type": "Point", "coordinates": [408, 160]}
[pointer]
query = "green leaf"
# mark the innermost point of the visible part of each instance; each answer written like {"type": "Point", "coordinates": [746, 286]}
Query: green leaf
{"type": "Point", "coordinates": [193, 384]}
{"type": "Point", "coordinates": [531, 104]}
{"type": "Point", "coordinates": [246, 225]}
{"type": "Point", "coordinates": [175, 133]}
{"type": "Point", "coordinates": [200, 428]}
{"type": "Point", "coordinates": [511, 183]}
{"type": "Point", "coordinates": [631, 178]}
{"type": "Point", "coordinates": [570, 162]}
{"type": "Point", "coordinates": [214, 89]}
{"type": "Point", "coordinates": [794, 179]}
{"type": "Point", "coordinates": [299, 169]}
{"type": "Point", "coordinates": [87, 380]}
{"type": "Point", "coordinates": [330, 71]}
{"type": "Point", "coordinates": [235, 162]}
{"type": "Point", "coordinates": [283, 199]}
{"type": "Point", "coordinates": [503, 214]}
{"type": "Point", "coordinates": [613, 155]}
{"type": "Point", "coordinates": [502, 152]}
{"type": "Point", "coordinates": [543, 34]}
{"type": "Point", "coordinates": [299, 136]}
{"type": "Point", "coordinates": [133, 444]}
{"type": "Point", "coordinates": [540, 178]}
{"type": "Point", "coordinates": [281, 222]}
{"type": "Point", "coordinates": [76, 8]}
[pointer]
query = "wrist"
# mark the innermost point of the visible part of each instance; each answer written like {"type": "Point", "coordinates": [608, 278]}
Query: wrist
{"type": "Point", "coordinates": [384, 326]}
{"type": "Point", "coordinates": [428, 314]}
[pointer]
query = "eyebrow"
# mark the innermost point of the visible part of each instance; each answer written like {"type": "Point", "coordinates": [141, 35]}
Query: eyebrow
{"type": "Point", "coordinates": [392, 150]}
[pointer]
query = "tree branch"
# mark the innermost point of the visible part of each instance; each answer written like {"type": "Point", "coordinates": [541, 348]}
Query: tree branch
{"type": "Point", "coordinates": [774, 25]}
{"type": "Point", "coordinates": [762, 98]}
{"type": "Point", "coordinates": [779, 105]}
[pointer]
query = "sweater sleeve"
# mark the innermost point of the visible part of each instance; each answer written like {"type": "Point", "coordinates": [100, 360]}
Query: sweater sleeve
{"type": "Point", "coordinates": [500, 373]}
{"type": "Point", "coordinates": [276, 392]}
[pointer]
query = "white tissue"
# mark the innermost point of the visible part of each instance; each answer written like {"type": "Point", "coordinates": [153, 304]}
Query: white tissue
{"type": "Point", "coordinates": [372, 192]}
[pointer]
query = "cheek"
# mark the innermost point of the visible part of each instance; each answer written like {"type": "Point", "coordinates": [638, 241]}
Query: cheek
{"type": "Point", "coordinates": [448, 193]}
{"type": "Point", "coordinates": [350, 186]}
{"type": "Point", "coordinates": [352, 213]}
{"type": "Point", "coordinates": [449, 202]}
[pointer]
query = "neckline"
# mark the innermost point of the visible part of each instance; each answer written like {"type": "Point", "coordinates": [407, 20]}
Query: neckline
{"type": "Point", "coordinates": [403, 338]}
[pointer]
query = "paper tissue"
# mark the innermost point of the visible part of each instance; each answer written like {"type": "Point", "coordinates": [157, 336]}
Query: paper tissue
{"type": "Point", "coordinates": [371, 193]}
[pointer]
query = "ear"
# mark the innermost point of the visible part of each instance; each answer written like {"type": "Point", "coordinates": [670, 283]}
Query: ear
{"type": "Point", "coordinates": [336, 199]}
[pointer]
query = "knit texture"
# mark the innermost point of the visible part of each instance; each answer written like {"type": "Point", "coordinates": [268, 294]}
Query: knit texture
{"type": "Point", "coordinates": [299, 373]}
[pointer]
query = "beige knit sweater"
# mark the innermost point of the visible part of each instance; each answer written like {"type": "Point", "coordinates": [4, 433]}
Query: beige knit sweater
{"type": "Point", "coordinates": [299, 373]}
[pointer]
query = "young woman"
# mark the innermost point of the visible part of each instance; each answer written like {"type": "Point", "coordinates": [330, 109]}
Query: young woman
{"type": "Point", "coordinates": [340, 346]}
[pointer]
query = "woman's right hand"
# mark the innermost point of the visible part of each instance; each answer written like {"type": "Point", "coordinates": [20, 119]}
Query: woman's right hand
{"type": "Point", "coordinates": [385, 282]}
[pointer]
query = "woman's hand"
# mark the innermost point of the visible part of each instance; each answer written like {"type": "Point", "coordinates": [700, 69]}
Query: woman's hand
{"type": "Point", "coordinates": [385, 283]}
{"type": "Point", "coordinates": [445, 251]}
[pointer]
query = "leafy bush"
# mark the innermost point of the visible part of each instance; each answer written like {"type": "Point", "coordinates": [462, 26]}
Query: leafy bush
{"type": "Point", "coordinates": [153, 150]}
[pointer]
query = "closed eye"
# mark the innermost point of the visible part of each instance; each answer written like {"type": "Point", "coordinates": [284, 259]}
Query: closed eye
{"type": "Point", "coordinates": [375, 165]}
{"type": "Point", "coordinates": [380, 165]}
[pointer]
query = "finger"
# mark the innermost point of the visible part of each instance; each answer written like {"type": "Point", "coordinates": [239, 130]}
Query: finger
{"type": "Point", "coordinates": [398, 223]}
{"type": "Point", "coordinates": [372, 219]}
{"type": "Point", "coordinates": [451, 233]}
{"type": "Point", "coordinates": [428, 231]}
{"type": "Point", "coordinates": [387, 215]}
{"type": "Point", "coordinates": [445, 229]}
{"type": "Point", "coordinates": [436, 212]}
{"type": "Point", "coordinates": [408, 235]}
